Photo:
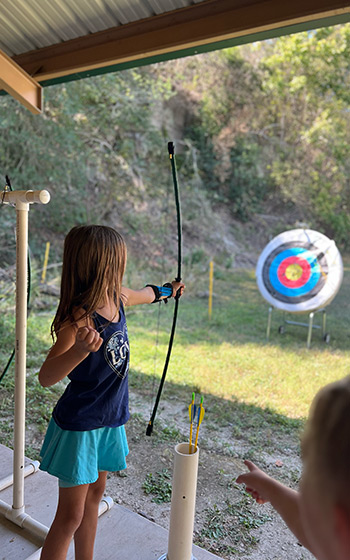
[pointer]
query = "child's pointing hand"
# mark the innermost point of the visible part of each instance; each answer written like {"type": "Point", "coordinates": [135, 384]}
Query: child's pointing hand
{"type": "Point", "coordinates": [257, 483]}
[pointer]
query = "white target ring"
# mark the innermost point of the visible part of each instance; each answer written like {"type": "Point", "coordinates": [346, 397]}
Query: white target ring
{"type": "Point", "coordinates": [299, 271]}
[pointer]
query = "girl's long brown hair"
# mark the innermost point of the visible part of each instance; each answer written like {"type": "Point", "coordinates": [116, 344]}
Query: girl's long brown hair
{"type": "Point", "coordinates": [94, 259]}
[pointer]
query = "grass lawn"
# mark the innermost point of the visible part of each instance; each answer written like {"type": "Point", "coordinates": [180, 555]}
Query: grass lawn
{"type": "Point", "coordinates": [228, 356]}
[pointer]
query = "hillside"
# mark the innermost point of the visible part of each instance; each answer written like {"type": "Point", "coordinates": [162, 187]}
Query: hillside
{"type": "Point", "coordinates": [261, 134]}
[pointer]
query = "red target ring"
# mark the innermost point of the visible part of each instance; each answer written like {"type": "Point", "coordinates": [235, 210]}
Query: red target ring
{"type": "Point", "coordinates": [294, 272]}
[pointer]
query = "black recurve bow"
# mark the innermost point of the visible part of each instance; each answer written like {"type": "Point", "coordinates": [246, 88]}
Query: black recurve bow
{"type": "Point", "coordinates": [177, 279]}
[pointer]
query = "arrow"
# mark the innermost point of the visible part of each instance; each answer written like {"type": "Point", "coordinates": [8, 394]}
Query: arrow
{"type": "Point", "coordinates": [192, 414]}
{"type": "Point", "coordinates": [200, 415]}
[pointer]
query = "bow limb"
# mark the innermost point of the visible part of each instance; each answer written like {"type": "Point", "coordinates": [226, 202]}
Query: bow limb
{"type": "Point", "coordinates": [178, 279]}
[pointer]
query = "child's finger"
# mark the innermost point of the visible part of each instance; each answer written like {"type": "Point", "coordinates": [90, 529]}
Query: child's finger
{"type": "Point", "coordinates": [97, 341]}
{"type": "Point", "coordinates": [90, 337]}
{"type": "Point", "coordinates": [250, 465]}
{"type": "Point", "coordinates": [178, 288]}
{"type": "Point", "coordinates": [82, 333]}
{"type": "Point", "coordinates": [244, 478]}
{"type": "Point", "coordinates": [255, 495]}
{"type": "Point", "coordinates": [93, 339]}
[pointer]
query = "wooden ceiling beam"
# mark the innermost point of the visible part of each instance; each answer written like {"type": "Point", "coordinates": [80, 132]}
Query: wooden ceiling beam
{"type": "Point", "coordinates": [20, 85]}
{"type": "Point", "coordinates": [199, 24]}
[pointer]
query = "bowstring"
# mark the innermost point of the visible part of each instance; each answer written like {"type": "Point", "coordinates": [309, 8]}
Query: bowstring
{"type": "Point", "coordinates": [7, 188]}
{"type": "Point", "coordinates": [165, 221]}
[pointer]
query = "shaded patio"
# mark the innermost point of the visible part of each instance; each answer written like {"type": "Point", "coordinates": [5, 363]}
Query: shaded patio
{"type": "Point", "coordinates": [121, 534]}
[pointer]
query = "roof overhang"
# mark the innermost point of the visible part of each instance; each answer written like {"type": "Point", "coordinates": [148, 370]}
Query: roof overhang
{"type": "Point", "coordinates": [197, 28]}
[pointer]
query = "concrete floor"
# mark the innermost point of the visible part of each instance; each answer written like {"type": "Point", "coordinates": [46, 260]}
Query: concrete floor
{"type": "Point", "coordinates": [121, 534]}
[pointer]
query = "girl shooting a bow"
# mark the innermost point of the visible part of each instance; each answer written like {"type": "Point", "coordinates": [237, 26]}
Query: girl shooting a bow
{"type": "Point", "coordinates": [86, 435]}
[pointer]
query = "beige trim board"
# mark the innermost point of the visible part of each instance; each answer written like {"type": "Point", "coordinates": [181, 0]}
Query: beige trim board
{"type": "Point", "coordinates": [20, 85]}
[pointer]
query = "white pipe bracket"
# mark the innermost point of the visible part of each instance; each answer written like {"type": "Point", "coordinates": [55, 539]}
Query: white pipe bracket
{"type": "Point", "coordinates": [22, 199]}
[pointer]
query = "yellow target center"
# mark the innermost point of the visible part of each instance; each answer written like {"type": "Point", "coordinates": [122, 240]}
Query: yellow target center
{"type": "Point", "coordinates": [293, 272]}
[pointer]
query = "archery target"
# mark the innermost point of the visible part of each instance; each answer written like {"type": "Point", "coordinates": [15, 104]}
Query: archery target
{"type": "Point", "coordinates": [299, 270]}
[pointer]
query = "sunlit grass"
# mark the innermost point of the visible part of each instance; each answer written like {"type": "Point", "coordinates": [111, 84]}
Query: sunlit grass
{"type": "Point", "coordinates": [264, 375]}
{"type": "Point", "coordinates": [229, 357]}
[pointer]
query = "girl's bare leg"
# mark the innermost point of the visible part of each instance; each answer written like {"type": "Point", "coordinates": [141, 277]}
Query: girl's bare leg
{"type": "Point", "coordinates": [69, 514]}
{"type": "Point", "coordinates": [84, 537]}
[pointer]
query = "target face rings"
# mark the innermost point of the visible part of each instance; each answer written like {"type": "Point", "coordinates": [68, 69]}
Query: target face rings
{"type": "Point", "coordinates": [299, 270]}
{"type": "Point", "coordinates": [295, 270]}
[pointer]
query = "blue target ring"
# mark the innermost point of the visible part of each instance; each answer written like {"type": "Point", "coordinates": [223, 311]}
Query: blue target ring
{"type": "Point", "coordinates": [308, 286]}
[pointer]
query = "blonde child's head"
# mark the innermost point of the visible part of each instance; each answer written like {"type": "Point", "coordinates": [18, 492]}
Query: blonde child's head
{"type": "Point", "coordinates": [326, 443]}
{"type": "Point", "coordinates": [94, 260]}
{"type": "Point", "coordinates": [325, 485]}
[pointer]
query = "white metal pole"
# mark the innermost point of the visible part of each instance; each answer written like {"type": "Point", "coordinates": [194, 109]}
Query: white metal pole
{"type": "Point", "coordinates": [25, 521]}
{"type": "Point", "coordinates": [21, 199]}
{"type": "Point", "coordinates": [31, 468]}
{"type": "Point", "coordinates": [20, 362]}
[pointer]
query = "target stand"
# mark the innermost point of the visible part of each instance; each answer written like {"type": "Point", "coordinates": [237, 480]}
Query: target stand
{"type": "Point", "coordinates": [309, 325]}
{"type": "Point", "coordinates": [300, 271]}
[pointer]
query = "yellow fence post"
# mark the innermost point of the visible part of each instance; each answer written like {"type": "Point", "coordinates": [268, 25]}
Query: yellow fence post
{"type": "Point", "coordinates": [46, 260]}
{"type": "Point", "coordinates": [211, 276]}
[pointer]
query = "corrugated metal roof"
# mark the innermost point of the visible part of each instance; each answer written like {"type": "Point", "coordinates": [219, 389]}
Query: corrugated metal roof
{"type": "Point", "coordinates": [61, 40]}
{"type": "Point", "coordinates": [27, 25]}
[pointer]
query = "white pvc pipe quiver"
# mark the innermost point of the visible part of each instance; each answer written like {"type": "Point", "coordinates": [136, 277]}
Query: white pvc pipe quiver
{"type": "Point", "coordinates": [183, 501]}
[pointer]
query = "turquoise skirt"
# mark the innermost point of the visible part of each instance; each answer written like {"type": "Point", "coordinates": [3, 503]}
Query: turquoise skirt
{"type": "Point", "coordinates": [78, 457]}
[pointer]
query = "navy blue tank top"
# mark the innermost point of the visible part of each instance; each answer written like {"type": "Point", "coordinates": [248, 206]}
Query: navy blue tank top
{"type": "Point", "coordinates": [97, 395]}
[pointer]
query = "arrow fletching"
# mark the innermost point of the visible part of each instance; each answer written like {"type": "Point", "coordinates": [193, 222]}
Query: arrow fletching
{"type": "Point", "coordinates": [200, 416]}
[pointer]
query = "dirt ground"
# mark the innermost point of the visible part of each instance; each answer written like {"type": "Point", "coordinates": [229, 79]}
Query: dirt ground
{"type": "Point", "coordinates": [227, 521]}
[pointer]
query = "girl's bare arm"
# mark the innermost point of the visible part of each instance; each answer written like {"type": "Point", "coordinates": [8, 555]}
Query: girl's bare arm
{"type": "Point", "coordinates": [146, 294]}
{"type": "Point", "coordinates": [73, 345]}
